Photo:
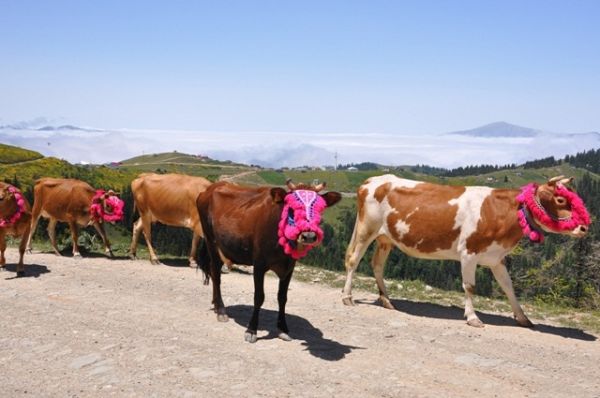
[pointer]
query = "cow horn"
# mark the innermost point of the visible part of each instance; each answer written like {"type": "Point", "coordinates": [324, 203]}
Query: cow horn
{"type": "Point", "coordinates": [320, 187]}
{"type": "Point", "coordinates": [554, 180]}
{"type": "Point", "coordinates": [566, 181]}
{"type": "Point", "coordinates": [290, 184]}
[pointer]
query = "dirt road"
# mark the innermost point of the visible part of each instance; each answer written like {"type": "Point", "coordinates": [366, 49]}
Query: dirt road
{"type": "Point", "coordinates": [100, 327]}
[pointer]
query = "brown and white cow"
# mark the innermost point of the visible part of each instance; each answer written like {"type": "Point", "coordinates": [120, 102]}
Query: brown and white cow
{"type": "Point", "coordinates": [15, 220]}
{"type": "Point", "coordinates": [169, 199]}
{"type": "Point", "coordinates": [77, 203]}
{"type": "Point", "coordinates": [265, 227]}
{"type": "Point", "coordinates": [473, 225]}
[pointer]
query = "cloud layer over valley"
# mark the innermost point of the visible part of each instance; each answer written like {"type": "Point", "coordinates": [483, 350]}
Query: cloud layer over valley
{"type": "Point", "coordinates": [485, 145]}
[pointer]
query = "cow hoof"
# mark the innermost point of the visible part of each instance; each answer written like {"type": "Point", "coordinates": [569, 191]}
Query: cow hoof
{"type": "Point", "coordinates": [475, 322]}
{"type": "Point", "coordinates": [28, 251]}
{"type": "Point", "coordinates": [20, 274]}
{"type": "Point", "coordinates": [225, 269]}
{"type": "Point", "coordinates": [525, 322]}
{"type": "Point", "coordinates": [250, 337]}
{"type": "Point", "coordinates": [386, 303]}
{"type": "Point", "coordinates": [110, 254]}
{"type": "Point", "coordinates": [76, 256]}
{"type": "Point", "coordinates": [193, 264]}
{"type": "Point", "coordinates": [132, 257]}
{"type": "Point", "coordinates": [348, 301]}
{"type": "Point", "coordinates": [222, 318]}
{"type": "Point", "coordinates": [284, 336]}
{"type": "Point", "coordinates": [155, 262]}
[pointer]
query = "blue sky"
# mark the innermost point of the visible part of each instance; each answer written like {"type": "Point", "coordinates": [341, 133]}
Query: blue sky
{"type": "Point", "coordinates": [390, 67]}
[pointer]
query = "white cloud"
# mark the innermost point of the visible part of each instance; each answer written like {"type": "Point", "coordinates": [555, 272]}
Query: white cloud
{"type": "Point", "coordinates": [297, 149]}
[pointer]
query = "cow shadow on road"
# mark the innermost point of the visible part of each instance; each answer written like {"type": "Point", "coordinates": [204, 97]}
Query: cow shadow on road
{"type": "Point", "coordinates": [300, 329]}
{"type": "Point", "coordinates": [430, 310]}
{"type": "Point", "coordinates": [31, 271]}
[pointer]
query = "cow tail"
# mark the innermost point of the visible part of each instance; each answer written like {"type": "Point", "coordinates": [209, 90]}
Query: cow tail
{"type": "Point", "coordinates": [204, 261]}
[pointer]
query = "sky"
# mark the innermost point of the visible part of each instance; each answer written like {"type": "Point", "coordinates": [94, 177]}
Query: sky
{"type": "Point", "coordinates": [303, 68]}
{"type": "Point", "coordinates": [323, 66]}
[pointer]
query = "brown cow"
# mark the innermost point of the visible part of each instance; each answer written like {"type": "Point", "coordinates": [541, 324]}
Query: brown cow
{"type": "Point", "coordinates": [74, 202]}
{"type": "Point", "coordinates": [169, 199]}
{"type": "Point", "coordinates": [15, 220]}
{"type": "Point", "coordinates": [265, 227]}
{"type": "Point", "coordinates": [473, 225]}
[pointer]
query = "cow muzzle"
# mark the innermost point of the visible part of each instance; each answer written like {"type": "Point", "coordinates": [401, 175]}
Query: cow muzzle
{"type": "Point", "coordinates": [307, 238]}
{"type": "Point", "coordinates": [579, 232]}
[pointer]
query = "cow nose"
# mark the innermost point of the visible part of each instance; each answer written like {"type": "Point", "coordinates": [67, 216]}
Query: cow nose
{"type": "Point", "coordinates": [583, 228]}
{"type": "Point", "coordinates": [309, 237]}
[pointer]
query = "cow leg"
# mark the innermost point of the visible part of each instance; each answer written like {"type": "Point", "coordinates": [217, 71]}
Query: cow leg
{"type": "Point", "coordinates": [259, 298]}
{"type": "Point", "coordinates": [384, 246]}
{"type": "Point", "coordinates": [22, 247]}
{"type": "Point", "coordinates": [147, 227]}
{"type": "Point", "coordinates": [284, 284]}
{"type": "Point", "coordinates": [361, 239]}
{"type": "Point", "coordinates": [36, 213]}
{"type": "Point", "coordinates": [503, 278]}
{"type": "Point", "coordinates": [215, 275]}
{"type": "Point", "coordinates": [100, 229]}
{"type": "Point", "coordinates": [137, 230]}
{"type": "Point", "coordinates": [74, 237]}
{"type": "Point", "coordinates": [2, 249]}
{"type": "Point", "coordinates": [195, 240]}
{"type": "Point", "coordinates": [52, 235]}
{"type": "Point", "coordinates": [468, 265]}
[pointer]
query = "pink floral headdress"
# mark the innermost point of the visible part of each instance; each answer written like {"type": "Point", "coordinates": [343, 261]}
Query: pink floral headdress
{"type": "Point", "coordinates": [97, 210]}
{"type": "Point", "coordinates": [531, 206]}
{"type": "Point", "coordinates": [11, 220]}
{"type": "Point", "coordinates": [301, 213]}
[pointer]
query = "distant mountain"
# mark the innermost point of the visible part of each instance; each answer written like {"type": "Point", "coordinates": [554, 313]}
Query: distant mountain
{"type": "Point", "coordinates": [34, 125]}
{"type": "Point", "coordinates": [67, 127]}
{"type": "Point", "coordinates": [499, 129]}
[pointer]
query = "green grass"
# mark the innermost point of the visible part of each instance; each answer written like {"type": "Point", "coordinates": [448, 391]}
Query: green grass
{"type": "Point", "coordinates": [272, 177]}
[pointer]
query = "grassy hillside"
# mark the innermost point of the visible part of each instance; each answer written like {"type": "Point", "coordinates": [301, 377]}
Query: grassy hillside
{"type": "Point", "coordinates": [12, 154]}
{"type": "Point", "coordinates": [97, 176]}
{"type": "Point", "coordinates": [175, 162]}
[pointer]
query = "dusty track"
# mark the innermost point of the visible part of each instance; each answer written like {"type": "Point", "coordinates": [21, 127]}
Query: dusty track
{"type": "Point", "coordinates": [99, 327]}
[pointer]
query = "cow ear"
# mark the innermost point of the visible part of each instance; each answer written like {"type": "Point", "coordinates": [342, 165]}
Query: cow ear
{"type": "Point", "coordinates": [331, 198]}
{"type": "Point", "coordinates": [278, 194]}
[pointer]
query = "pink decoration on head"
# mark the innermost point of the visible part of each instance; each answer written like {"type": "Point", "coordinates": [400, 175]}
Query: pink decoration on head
{"type": "Point", "coordinates": [97, 210]}
{"type": "Point", "coordinates": [307, 207]}
{"type": "Point", "coordinates": [527, 199]}
{"type": "Point", "coordinates": [20, 201]}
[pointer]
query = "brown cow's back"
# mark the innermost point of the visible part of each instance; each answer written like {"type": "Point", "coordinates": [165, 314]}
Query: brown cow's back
{"type": "Point", "coordinates": [64, 199]}
{"type": "Point", "coordinates": [254, 214]}
{"type": "Point", "coordinates": [169, 198]}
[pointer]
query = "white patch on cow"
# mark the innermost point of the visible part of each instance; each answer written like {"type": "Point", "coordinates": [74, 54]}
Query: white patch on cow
{"type": "Point", "coordinates": [374, 182]}
{"type": "Point", "coordinates": [493, 254]}
{"type": "Point", "coordinates": [187, 223]}
{"type": "Point", "coordinates": [469, 212]}
{"type": "Point", "coordinates": [402, 227]}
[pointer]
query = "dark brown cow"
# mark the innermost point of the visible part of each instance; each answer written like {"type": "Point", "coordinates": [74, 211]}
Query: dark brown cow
{"type": "Point", "coordinates": [473, 225]}
{"type": "Point", "coordinates": [244, 225]}
{"type": "Point", "coordinates": [15, 220]}
{"type": "Point", "coordinates": [70, 200]}
{"type": "Point", "coordinates": [169, 199]}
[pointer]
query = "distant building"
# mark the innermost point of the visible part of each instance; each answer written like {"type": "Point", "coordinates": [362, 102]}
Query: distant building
{"type": "Point", "coordinates": [352, 168]}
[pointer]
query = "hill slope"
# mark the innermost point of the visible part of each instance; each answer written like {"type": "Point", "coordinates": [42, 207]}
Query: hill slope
{"type": "Point", "coordinates": [12, 154]}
